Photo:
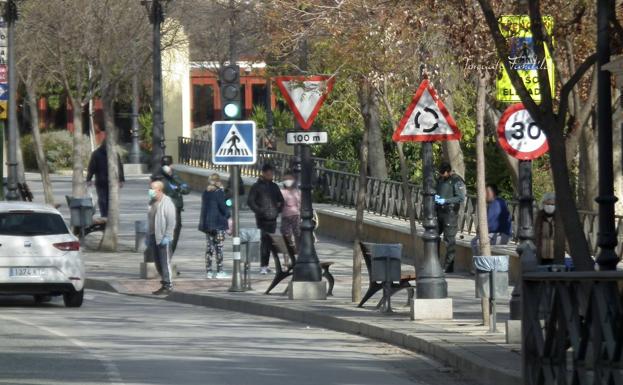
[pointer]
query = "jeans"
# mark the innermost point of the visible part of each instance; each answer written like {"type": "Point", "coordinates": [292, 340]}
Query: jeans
{"type": "Point", "coordinates": [494, 239]}
{"type": "Point", "coordinates": [266, 244]}
{"type": "Point", "coordinates": [102, 200]}
{"type": "Point", "coordinates": [162, 258]}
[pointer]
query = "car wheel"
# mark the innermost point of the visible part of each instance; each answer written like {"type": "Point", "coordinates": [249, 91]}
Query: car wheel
{"type": "Point", "coordinates": [42, 298]}
{"type": "Point", "coordinates": [73, 298]}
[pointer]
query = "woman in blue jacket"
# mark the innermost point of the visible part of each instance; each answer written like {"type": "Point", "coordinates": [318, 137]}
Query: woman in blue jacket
{"type": "Point", "coordinates": [213, 222]}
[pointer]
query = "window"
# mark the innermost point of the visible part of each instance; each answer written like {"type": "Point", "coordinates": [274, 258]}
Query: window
{"type": "Point", "coordinates": [203, 105]}
{"type": "Point", "coordinates": [259, 95]}
{"type": "Point", "coordinates": [29, 223]}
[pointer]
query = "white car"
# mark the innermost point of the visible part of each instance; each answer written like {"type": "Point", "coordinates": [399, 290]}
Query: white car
{"type": "Point", "coordinates": [39, 256]}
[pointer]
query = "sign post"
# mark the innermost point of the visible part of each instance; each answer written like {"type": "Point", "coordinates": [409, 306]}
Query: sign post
{"type": "Point", "coordinates": [521, 138]}
{"type": "Point", "coordinates": [234, 144]}
{"type": "Point", "coordinates": [427, 120]}
{"type": "Point", "coordinates": [305, 96]}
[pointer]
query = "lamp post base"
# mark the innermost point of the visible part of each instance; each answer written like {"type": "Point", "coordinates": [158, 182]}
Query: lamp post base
{"type": "Point", "coordinates": [307, 290]}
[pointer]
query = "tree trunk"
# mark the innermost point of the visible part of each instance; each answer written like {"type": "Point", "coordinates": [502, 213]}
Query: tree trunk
{"type": "Point", "coordinates": [110, 239]}
{"type": "Point", "coordinates": [452, 151]}
{"type": "Point", "coordinates": [78, 188]}
{"type": "Point", "coordinates": [483, 226]}
{"type": "Point", "coordinates": [512, 164]}
{"type": "Point", "coordinates": [364, 99]}
{"type": "Point", "coordinates": [580, 251]}
{"type": "Point", "coordinates": [376, 161]}
{"type": "Point", "coordinates": [588, 184]}
{"type": "Point", "coordinates": [42, 163]}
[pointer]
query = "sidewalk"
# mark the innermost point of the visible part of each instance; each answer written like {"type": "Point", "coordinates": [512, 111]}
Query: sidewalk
{"type": "Point", "coordinates": [463, 343]}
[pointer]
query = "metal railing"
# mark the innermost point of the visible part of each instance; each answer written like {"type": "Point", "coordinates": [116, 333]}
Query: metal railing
{"type": "Point", "coordinates": [385, 197]}
{"type": "Point", "coordinates": [572, 326]}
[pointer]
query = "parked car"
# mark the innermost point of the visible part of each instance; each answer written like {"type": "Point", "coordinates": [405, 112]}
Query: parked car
{"type": "Point", "coordinates": [39, 256]}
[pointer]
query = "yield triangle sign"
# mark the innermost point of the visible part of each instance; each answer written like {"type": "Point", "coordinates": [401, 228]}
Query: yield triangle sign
{"type": "Point", "coordinates": [305, 95]}
{"type": "Point", "coordinates": [426, 119]}
{"type": "Point", "coordinates": [234, 145]}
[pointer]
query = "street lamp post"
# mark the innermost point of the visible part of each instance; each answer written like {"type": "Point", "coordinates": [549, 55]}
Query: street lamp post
{"type": "Point", "coordinates": [607, 238]}
{"type": "Point", "coordinates": [431, 281]}
{"type": "Point", "coordinates": [156, 17]}
{"type": "Point", "coordinates": [11, 17]}
{"type": "Point", "coordinates": [135, 151]}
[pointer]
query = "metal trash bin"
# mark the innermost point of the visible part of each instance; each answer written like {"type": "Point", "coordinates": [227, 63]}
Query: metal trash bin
{"type": "Point", "coordinates": [386, 260]}
{"type": "Point", "coordinates": [491, 282]}
{"type": "Point", "coordinates": [140, 235]}
{"type": "Point", "coordinates": [250, 252]}
{"type": "Point", "coordinates": [81, 213]}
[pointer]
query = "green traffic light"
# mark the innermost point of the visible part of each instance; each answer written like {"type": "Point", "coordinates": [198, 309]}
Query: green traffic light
{"type": "Point", "coordinates": [231, 110]}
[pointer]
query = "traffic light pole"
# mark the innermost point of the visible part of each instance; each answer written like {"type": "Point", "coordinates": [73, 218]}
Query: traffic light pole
{"type": "Point", "coordinates": [11, 18]}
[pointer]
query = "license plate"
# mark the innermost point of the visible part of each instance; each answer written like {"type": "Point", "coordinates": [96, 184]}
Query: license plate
{"type": "Point", "coordinates": [26, 272]}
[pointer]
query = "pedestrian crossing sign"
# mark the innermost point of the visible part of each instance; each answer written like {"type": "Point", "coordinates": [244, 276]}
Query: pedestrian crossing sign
{"type": "Point", "coordinates": [233, 142]}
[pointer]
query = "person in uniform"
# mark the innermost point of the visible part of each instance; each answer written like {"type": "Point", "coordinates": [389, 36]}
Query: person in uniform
{"type": "Point", "coordinates": [450, 195]}
{"type": "Point", "coordinates": [174, 188]}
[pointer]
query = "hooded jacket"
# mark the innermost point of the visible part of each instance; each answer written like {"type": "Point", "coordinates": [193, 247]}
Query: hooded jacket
{"type": "Point", "coordinates": [214, 211]}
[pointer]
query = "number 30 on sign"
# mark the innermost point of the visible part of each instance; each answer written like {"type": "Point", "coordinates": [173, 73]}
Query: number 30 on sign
{"type": "Point", "coordinates": [519, 135]}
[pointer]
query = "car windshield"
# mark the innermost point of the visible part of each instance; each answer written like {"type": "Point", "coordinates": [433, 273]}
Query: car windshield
{"type": "Point", "coordinates": [30, 223]}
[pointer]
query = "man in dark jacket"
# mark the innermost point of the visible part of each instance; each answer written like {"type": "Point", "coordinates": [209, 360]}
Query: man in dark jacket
{"type": "Point", "coordinates": [174, 188]}
{"type": "Point", "coordinates": [266, 201]}
{"type": "Point", "coordinates": [98, 167]}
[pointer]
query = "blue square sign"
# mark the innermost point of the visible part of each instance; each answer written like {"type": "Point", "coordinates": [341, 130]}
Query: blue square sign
{"type": "Point", "coordinates": [4, 91]}
{"type": "Point", "coordinates": [234, 142]}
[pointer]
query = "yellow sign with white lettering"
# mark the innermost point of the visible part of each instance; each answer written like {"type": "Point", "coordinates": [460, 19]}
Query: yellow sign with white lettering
{"type": "Point", "coordinates": [4, 108]}
{"type": "Point", "coordinates": [523, 59]}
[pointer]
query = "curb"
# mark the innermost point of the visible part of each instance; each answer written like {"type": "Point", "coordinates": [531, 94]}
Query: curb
{"type": "Point", "coordinates": [471, 366]}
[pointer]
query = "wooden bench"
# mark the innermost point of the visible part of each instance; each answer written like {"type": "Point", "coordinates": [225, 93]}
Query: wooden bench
{"type": "Point", "coordinates": [375, 286]}
{"type": "Point", "coordinates": [280, 247]}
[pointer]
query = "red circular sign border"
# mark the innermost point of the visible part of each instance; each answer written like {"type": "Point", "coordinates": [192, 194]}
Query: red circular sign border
{"type": "Point", "coordinates": [521, 155]}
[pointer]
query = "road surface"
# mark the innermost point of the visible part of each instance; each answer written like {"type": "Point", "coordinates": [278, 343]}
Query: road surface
{"type": "Point", "coordinates": [117, 339]}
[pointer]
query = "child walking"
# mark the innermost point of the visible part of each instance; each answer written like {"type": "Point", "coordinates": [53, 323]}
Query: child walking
{"type": "Point", "coordinates": [213, 222]}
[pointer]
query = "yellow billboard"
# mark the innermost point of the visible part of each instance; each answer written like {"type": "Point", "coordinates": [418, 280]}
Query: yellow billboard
{"type": "Point", "coordinates": [516, 30]}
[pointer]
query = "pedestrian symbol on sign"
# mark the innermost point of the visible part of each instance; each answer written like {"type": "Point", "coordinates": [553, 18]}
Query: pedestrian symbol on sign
{"type": "Point", "coordinates": [234, 145]}
{"type": "Point", "coordinates": [233, 142]}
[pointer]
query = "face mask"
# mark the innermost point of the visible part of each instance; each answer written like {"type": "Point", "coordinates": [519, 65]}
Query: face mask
{"type": "Point", "coordinates": [166, 169]}
{"type": "Point", "coordinates": [288, 183]}
{"type": "Point", "coordinates": [152, 194]}
{"type": "Point", "coordinates": [549, 209]}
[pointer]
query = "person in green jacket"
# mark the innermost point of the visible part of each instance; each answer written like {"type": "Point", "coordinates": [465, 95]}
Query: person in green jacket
{"type": "Point", "coordinates": [175, 188]}
{"type": "Point", "coordinates": [450, 194]}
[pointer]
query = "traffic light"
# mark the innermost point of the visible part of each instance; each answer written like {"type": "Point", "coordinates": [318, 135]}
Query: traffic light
{"type": "Point", "coordinates": [230, 91]}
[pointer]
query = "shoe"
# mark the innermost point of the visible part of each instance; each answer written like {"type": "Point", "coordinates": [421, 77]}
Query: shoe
{"type": "Point", "coordinates": [209, 275]}
{"type": "Point", "coordinates": [263, 270]}
{"type": "Point", "coordinates": [450, 268]}
{"type": "Point", "coordinates": [221, 275]}
{"type": "Point", "coordinates": [162, 291]}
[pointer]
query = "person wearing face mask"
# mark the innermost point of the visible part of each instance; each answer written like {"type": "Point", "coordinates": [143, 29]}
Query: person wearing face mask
{"type": "Point", "coordinates": [550, 240]}
{"type": "Point", "coordinates": [291, 213]}
{"type": "Point", "coordinates": [161, 224]}
{"type": "Point", "coordinates": [174, 188]}
{"type": "Point", "coordinates": [450, 194]}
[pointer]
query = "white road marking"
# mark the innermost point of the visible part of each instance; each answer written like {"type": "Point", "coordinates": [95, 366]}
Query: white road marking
{"type": "Point", "coordinates": [114, 376]}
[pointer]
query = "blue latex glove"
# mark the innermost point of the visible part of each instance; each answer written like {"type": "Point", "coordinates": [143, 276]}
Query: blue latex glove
{"type": "Point", "coordinates": [439, 200]}
{"type": "Point", "coordinates": [166, 241]}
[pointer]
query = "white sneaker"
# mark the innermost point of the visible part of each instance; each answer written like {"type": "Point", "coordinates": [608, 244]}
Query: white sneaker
{"type": "Point", "coordinates": [263, 270]}
{"type": "Point", "coordinates": [209, 275]}
{"type": "Point", "coordinates": [221, 275]}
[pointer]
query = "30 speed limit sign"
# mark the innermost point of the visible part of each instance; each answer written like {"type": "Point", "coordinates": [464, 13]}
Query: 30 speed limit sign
{"type": "Point", "coordinates": [519, 135]}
